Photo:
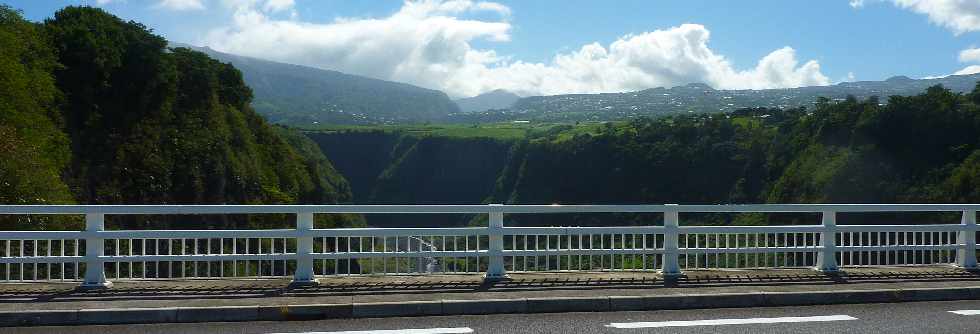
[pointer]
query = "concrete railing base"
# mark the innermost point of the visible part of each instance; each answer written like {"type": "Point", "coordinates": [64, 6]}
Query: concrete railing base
{"type": "Point", "coordinates": [303, 284]}
{"type": "Point", "coordinates": [494, 279]}
{"type": "Point", "coordinates": [94, 287]}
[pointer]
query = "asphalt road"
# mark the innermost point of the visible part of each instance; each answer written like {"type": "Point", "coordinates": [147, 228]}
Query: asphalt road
{"type": "Point", "coordinates": [924, 317]}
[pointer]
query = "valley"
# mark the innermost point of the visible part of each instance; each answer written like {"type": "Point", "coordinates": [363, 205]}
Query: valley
{"type": "Point", "coordinates": [142, 121]}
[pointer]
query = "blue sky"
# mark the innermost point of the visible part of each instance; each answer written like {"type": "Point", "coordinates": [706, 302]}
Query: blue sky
{"type": "Point", "coordinates": [549, 47]}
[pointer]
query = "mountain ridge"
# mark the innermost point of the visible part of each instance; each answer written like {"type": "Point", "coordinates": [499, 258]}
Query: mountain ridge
{"type": "Point", "coordinates": [306, 96]}
{"type": "Point", "coordinates": [495, 99]}
{"type": "Point", "coordinates": [302, 95]}
{"type": "Point", "coordinates": [698, 97]}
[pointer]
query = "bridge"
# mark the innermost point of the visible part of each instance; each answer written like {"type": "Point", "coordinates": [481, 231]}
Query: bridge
{"type": "Point", "coordinates": [786, 278]}
{"type": "Point", "coordinates": [97, 256]}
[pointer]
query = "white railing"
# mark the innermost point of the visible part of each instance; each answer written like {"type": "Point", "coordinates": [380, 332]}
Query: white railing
{"type": "Point", "coordinates": [97, 255]}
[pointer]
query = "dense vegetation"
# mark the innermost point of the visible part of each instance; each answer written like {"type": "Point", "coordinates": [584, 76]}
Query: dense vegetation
{"type": "Point", "coordinates": [98, 110]}
{"type": "Point", "coordinates": [922, 148]}
{"type": "Point", "coordinates": [33, 148]}
{"type": "Point", "coordinates": [399, 167]}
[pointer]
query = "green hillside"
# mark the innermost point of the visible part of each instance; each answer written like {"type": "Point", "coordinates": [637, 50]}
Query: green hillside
{"type": "Point", "coordinates": [98, 110]}
{"type": "Point", "coordinates": [405, 167]}
{"type": "Point", "coordinates": [918, 149]}
{"type": "Point", "coordinates": [699, 98]}
{"type": "Point", "coordinates": [300, 95]}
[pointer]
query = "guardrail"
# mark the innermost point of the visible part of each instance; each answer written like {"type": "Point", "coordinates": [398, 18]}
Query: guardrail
{"type": "Point", "coordinates": [96, 255]}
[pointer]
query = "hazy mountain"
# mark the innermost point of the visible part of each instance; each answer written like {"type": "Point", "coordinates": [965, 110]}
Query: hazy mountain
{"type": "Point", "coordinates": [496, 99]}
{"type": "Point", "coordinates": [294, 94]}
{"type": "Point", "coordinates": [702, 98]}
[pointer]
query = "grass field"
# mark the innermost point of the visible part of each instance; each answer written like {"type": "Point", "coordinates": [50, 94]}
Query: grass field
{"type": "Point", "coordinates": [505, 131]}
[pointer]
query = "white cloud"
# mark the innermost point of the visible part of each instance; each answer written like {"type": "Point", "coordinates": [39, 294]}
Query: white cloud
{"type": "Point", "coordinates": [959, 16]}
{"type": "Point", "coordinates": [105, 2]}
{"type": "Point", "coordinates": [428, 43]}
{"type": "Point", "coordinates": [277, 5]}
{"type": "Point", "coordinates": [262, 6]}
{"type": "Point", "coordinates": [181, 5]}
{"type": "Point", "coordinates": [493, 7]}
{"type": "Point", "coordinates": [972, 69]}
{"type": "Point", "coordinates": [971, 55]}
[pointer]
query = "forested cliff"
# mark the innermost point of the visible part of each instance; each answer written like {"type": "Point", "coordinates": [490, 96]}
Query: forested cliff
{"type": "Point", "coordinates": [395, 167]}
{"type": "Point", "coordinates": [98, 110]}
{"type": "Point", "coordinates": [918, 149]}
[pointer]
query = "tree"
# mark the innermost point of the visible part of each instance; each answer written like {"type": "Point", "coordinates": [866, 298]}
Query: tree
{"type": "Point", "coordinates": [33, 149]}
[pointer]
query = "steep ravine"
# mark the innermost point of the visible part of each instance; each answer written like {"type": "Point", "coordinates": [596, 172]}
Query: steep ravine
{"type": "Point", "coordinates": [918, 149]}
{"type": "Point", "coordinates": [393, 167]}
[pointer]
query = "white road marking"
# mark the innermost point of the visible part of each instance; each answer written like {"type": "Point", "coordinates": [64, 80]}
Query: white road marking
{"type": "Point", "coordinates": [718, 322]}
{"type": "Point", "coordinates": [966, 312]}
{"type": "Point", "coordinates": [401, 331]}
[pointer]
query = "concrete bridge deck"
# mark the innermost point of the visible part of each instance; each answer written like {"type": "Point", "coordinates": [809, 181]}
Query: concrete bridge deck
{"type": "Point", "coordinates": [344, 297]}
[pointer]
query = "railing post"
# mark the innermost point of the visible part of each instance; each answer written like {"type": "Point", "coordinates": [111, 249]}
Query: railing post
{"type": "Point", "coordinates": [827, 258]}
{"type": "Point", "coordinates": [495, 269]}
{"type": "Point", "coordinates": [94, 267]}
{"type": "Point", "coordinates": [304, 275]}
{"type": "Point", "coordinates": [966, 257]}
{"type": "Point", "coordinates": [671, 252]}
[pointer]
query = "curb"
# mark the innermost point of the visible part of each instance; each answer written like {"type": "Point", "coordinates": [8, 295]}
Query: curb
{"type": "Point", "coordinates": [475, 307]}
